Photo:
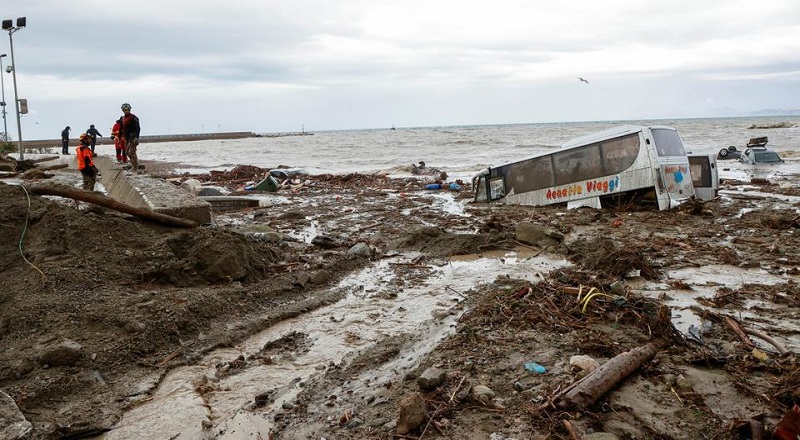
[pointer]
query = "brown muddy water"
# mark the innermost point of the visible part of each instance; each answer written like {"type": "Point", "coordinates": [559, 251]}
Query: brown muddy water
{"type": "Point", "coordinates": [374, 309]}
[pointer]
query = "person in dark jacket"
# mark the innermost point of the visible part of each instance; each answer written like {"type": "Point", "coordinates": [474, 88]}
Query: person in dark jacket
{"type": "Point", "coordinates": [65, 140]}
{"type": "Point", "coordinates": [129, 131]}
{"type": "Point", "coordinates": [93, 133]}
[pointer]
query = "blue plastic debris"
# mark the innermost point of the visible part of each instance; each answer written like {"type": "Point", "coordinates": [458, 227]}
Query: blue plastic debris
{"type": "Point", "coordinates": [533, 367]}
{"type": "Point", "coordinates": [433, 186]}
{"type": "Point", "coordinates": [455, 187]}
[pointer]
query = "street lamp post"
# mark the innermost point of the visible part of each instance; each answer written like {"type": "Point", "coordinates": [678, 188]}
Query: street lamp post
{"type": "Point", "coordinates": [3, 102]}
{"type": "Point", "coordinates": [7, 26]}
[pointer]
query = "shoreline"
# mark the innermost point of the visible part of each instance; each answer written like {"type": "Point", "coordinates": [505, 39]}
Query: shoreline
{"type": "Point", "coordinates": [105, 140]}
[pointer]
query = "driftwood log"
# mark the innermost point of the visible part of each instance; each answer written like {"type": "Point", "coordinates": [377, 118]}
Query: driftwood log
{"type": "Point", "coordinates": [33, 173]}
{"type": "Point", "coordinates": [45, 159]}
{"type": "Point", "coordinates": [761, 335]}
{"type": "Point", "coordinates": [743, 332]}
{"type": "Point", "coordinates": [105, 201]}
{"type": "Point", "coordinates": [591, 388]}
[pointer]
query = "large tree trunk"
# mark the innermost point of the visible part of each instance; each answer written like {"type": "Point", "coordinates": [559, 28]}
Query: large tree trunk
{"type": "Point", "coordinates": [34, 173]}
{"type": "Point", "coordinates": [592, 387]}
{"type": "Point", "coordinates": [103, 200]}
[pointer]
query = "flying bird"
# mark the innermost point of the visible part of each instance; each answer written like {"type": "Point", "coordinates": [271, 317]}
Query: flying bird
{"type": "Point", "coordinates": [584, 80]}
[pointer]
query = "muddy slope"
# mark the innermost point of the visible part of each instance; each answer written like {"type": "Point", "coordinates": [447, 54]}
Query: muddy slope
{"type": "Point", "coordinates": [105, 305]}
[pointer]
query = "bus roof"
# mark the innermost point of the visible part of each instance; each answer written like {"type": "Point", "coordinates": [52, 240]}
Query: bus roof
{"type": "Point", "coordinates": [611, 133]}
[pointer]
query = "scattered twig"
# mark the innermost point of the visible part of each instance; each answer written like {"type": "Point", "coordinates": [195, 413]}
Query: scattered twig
{"type": "Point", "coordinates": [455, 291]}
{"type": "Point", "coordinates": [430, 419]}
{"type": "Point", "coordinates": [457, 388]}
{"type": "Point", "coordinates": [571, 430]}
{"type": "Point", "coordinates": [738, 330]}
{"type": "Point", "coordinates": [767, 338]}
{"type": "Point", "coordinates": [676, 394]}
{"type": "Point", "coordinates": [170, 357]}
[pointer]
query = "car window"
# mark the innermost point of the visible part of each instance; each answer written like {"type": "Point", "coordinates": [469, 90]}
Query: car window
{"type": "Point", "coordinates": [767, 157]}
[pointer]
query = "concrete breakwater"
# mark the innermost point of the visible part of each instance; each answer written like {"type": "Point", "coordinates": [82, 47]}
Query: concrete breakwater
{"type": "Point", "coordinates": [105, 140]}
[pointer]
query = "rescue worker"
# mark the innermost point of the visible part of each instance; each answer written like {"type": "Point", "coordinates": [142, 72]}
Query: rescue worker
{"type": "Point", "coordinates": [85, 162]}
{"type": "Point", "coordinates": [119, 142]}
{"type": "Point", "coordinates": [93, 133]}
{"type": "Point", "coordinates": [65, 140]}
{"type": "Point", "coordinates": [129, 130]}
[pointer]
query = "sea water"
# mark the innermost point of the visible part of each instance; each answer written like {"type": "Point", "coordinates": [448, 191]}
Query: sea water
{"type": "Point", "coordinates": [458, 150]}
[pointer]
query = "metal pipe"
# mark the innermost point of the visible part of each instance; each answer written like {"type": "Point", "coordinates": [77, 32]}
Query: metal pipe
{"type": "Point", "coordinates": [3, 87]}
{"type": "Point", "coordinates": [16, 96]}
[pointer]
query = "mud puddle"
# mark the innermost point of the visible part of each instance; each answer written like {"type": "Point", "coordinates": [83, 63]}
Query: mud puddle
{"type": "Point", "coordinates": [704, 282]}
{"type": "Point", "coordinates": [215, 398]}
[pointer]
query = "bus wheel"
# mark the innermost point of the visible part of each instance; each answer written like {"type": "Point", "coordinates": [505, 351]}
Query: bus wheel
{"type": "Point", "coordinates": [732, 148]}
{"type": "Point", "coordinates": [723, 152]}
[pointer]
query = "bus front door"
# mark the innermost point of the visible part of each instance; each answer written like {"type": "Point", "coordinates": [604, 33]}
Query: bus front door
{"type": "Point", "coordinates": [677, 181]}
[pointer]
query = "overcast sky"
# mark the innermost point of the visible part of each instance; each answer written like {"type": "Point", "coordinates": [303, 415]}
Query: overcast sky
{"type": "Point", "coordinates": [270, 66]}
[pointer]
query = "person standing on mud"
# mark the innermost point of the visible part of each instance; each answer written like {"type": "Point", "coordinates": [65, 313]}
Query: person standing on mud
{"type": "Point", "coordinates": [65, 140]}
{"type": "Point", "coordinates": [86, 162]}
{"type": "Point", "coordinates": [93, 133]}
{"type": "Point", "coordinates": [129, 130]}
{"type": "Point", "coordinates": [119, 143]}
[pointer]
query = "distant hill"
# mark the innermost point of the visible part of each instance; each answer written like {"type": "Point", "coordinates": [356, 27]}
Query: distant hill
{"type": "Point", "coordinates": [777, 112]}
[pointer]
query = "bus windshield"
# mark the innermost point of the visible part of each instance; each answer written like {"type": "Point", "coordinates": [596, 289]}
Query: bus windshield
{"type": "Point", "coordinates": [668, 143]}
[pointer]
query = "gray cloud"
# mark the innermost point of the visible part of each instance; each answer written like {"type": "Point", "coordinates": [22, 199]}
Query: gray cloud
{"type": "Point", "coordinates": [273, 65]}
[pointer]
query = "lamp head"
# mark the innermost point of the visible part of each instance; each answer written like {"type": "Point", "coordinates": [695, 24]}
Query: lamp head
{"type": "Point", "coordinates": [7, 24]}
{"type": "Point", "coordinates": [21, 22]}
{"type": "Point", "coordinates": [9, 68]}
{"type": "Point", "coordinates": [3, 55]}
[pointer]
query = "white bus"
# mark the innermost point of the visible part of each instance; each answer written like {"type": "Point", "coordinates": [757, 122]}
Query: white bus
{"type": "Point", "coordinates": [614, 166]}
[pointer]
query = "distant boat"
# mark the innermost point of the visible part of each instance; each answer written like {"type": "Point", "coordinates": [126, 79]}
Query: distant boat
{"type": "Point", "coordinates": [392, 128]}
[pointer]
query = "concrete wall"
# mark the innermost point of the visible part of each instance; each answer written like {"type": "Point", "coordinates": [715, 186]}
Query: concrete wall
{"type": "Point", "coordinates": [143, 191]}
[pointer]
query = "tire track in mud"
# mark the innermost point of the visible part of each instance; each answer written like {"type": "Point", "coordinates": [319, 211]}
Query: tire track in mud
{"type": "Point", "coordinates": [235, 392]}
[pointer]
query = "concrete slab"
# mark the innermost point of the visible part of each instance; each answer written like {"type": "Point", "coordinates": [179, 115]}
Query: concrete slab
{"type": "Point", "coordinates": [143, 191]}
{"type": "Point", "coordinates": [139, 190]}
{"type": "Point", "coordinates": [231, 203]}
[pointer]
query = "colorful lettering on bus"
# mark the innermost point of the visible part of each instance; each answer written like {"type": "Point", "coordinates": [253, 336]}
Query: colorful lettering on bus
{"type": "Point", "coordinates": [603, 186]}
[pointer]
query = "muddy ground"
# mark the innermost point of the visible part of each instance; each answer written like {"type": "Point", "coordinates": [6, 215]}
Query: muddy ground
{"type": "Point", "coordinates": [94, 303]}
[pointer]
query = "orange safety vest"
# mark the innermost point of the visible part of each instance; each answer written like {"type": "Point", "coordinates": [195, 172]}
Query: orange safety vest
{"type": "Point", "coordinates": [84, 157]}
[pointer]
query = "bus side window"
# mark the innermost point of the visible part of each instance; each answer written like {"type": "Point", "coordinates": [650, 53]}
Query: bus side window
{"type": "Point", "coordinates": [576, 165]}
{"type": "Point", "coordinates": [620, 154]}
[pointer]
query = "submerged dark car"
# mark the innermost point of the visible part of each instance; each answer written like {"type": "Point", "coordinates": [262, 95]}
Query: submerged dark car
{"type": "Point", "coordinates": [729, 153]}
{"type": "Point", "coordinates": [757, 152]}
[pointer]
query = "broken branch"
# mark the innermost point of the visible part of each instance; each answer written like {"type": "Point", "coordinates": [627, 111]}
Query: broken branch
{"type": "Point", "coordinates": [103, 200]}
{"type": "Point", "coordinates": [592, 387]}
